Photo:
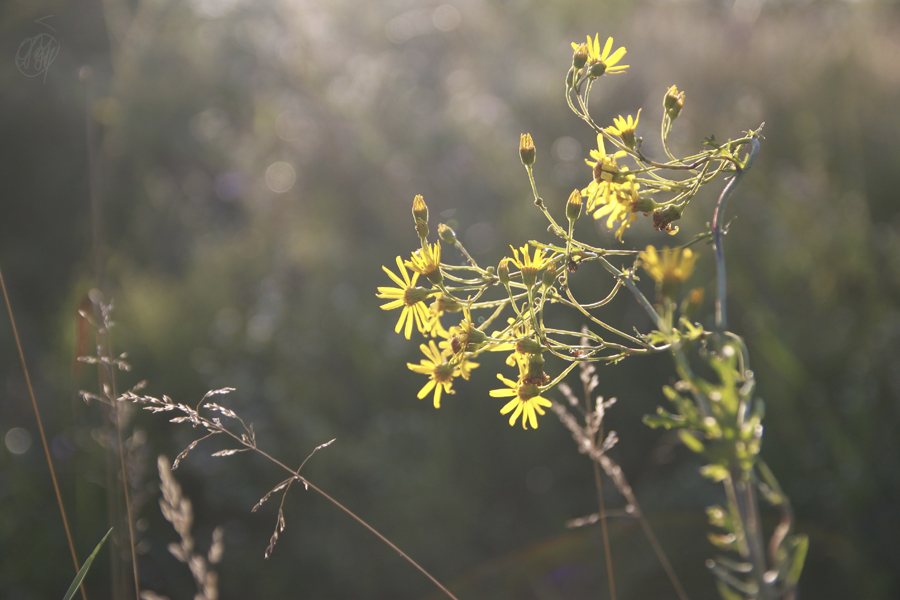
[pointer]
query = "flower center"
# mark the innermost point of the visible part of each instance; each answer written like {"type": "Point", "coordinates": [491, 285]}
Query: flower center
{"type": "Point", "coordinates": [443, 372]}
{"type": "Point", "coordinates": [605, 169]}
{"type": "Point", "coordinates": [527, 391]}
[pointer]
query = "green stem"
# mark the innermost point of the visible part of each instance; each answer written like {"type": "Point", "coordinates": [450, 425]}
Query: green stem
{"type": "Point", "coordinates": [718, 234]}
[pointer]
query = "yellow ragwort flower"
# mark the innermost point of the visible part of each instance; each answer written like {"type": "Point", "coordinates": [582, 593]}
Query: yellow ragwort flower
{"type": "Point", "coordinates": [518, 331]}
{"type": "Point", "coordinates": [614, 191]}
{"type": "Point", "coordinates": [529, 266]}
{"type": "Point", "coordinates": [624, 128]}
{"type": "Point", "coordinates": [410, 297]}
{"type": "Point", "coordinates": [427, 261]}
{"type": "Point", "coordinates": [668, 266]}
{"type": "Point", "coordinates": [461, 358]}
{"type": "Point", "coordinates": [527, 400]}
{"type": "Point", "coordinates": [600, 63]}
{"type": "Point", "coordinates": [437, 366]}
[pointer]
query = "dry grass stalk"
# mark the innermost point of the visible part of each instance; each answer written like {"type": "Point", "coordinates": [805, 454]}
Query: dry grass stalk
{"type": "Point", "coordinates": [107, 365]}
{"type": "Point", "coordinates": [587, 438]}
{"type": "Point", "coordinates": [177, 510]}
{"type": "Point", "coordinates": [37, 415]}
{"type": "Point", "coordinates": [247, 439]}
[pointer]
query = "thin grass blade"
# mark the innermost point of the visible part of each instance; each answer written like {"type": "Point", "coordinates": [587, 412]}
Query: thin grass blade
{"type": "Point", "coordinates": [84, 568]}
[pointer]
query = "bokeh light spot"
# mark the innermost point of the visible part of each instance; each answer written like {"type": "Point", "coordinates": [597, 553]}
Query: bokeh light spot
{"type": "Point", "coordinates": [566, 148]}
{"type": "Point", "coordinates": [446, 17]}
{"type": "Point", "coordinates": [18, 440]}
{"type": "Point", "coordinates": [280, 177]}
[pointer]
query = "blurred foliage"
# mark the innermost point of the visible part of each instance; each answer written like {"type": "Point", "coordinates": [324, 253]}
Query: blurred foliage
{"type": "Point", "coordinates": [255, 165]}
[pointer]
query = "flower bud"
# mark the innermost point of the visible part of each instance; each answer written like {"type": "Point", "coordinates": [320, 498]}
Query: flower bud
{"type": "Point", "coordinates": [548, 276]}
{"type": "Point", "coordinates": [503, 271]}
{"type": "Point", "coordinates": [644, 205]}
{"type": "Point", "coordinates": [420, 216]}
{"type": "Point", "coordinates": [445, 303]}
{"type": "Point", "coordinates": [573, 206]}
{"type": "Point", "coordinates": [673, 102]}
{"type": "Point", "coordinates": [446, 234]}
{"type": "Point", "coordinates": [420, 209]}
{"type": "Point", "coordinates": [526, 149]}
{"type": "Point", "coordinates": [570, 77]}
{"type": "Point", "coordinates": [580, 56]}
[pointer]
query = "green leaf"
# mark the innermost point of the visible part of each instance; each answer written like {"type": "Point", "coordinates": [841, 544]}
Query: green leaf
{"type": "Point", "coordinates": [84, 568]}
{"type": "Point", "coordinates": [663, 418]}
{"type": "Point", "coordinates": [727, 593]}
{"type": "Point", "coordinates": [801, 545]}
{"type": "Point", "coordinates": [715, 472]}
{"type": "Point", "coordinates": [690, 441]}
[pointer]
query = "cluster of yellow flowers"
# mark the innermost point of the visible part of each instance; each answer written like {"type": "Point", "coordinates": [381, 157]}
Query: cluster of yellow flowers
{"type": "Point", "coordinates": [540, 273]}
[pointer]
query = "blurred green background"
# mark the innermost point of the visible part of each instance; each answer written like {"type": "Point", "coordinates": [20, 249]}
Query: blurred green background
{"type": "Point", "coordinates": [254, 164]}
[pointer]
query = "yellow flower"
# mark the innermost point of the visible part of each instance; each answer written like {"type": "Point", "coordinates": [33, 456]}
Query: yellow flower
{"type": "Point", "coordinates": [598, 62]}
{"type": "Point", "coordinates": [516, 333]}
{"type": "Point", "coordinates": [439, 370]}
{"type": "Point", "coordinates": [624, 128]}
{"type": "Point", "coordinates": [614, 191]}
{"type": "Point", "coordinates": [529, 266]}
{"type": "Point", "coordinates": [410, 297]}
{"type": "Point", "coordinates": [668, 266]}
{"type": "Point", "coordinates": [467, 337]}
{"type": "Point", "coordinates": [427, 261]}
{"type": "Point", "coordinates": [527, 400]}
{"type": "Point", "coordinates": [621, 207]}
{"type": "Point", "coordinates": [461, 358]}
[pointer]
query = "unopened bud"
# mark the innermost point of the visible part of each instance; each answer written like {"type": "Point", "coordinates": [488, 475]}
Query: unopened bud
{"type": "Point", "coordinates": [570, 77]}
{"type": "Point", "coordinates": [573, 206]}
{"type": "Point", "coordinates": [673, 102]}
{"type": "Point", "coordinates": [526, 149]}
{"type": "Point", "coordinates": [503, 271]}
{"type": "Point", "coordinates": [420, 209]}
{"type": "Point", "coordinates": [445, 303]}
{"type": "Point", "coordinates": [420, 216]}
{"type": "Point", "coordinates": [644, 205]}
{"type": "Point", "coordinates": [548, 276]}
{"type": "Point", "coordinates": [447, 234]}
{"type": "Point", "coordinates": [580, 56]}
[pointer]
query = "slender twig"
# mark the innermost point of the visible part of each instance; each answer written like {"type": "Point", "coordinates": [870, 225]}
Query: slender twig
{"type": "Point", "coordinates": [718, 233]}
{"type": "Point", "coordinates": [37, 416]}
{"type": "Point", "coordinates": [354, 516]}
{"type": "Point", "coordinates": [607, 548]}
{"type": "Point", "coordinates": [115, 408]}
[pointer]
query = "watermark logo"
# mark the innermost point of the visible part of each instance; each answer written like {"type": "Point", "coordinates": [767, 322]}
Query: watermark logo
{"type": "Point", "coordinates": [35, 54]}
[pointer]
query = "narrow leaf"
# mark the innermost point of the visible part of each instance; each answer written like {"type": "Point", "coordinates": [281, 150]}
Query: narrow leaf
{"type": "Point", "coordinates": [84, 569]}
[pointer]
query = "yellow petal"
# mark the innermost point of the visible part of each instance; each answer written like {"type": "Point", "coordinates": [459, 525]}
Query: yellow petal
{"type": "Point", "coordinates": [606, 49]}
{"type": "Point", "coordinates": [426, 388]}
{"type": "Point", "coordinates": [509, 406]}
